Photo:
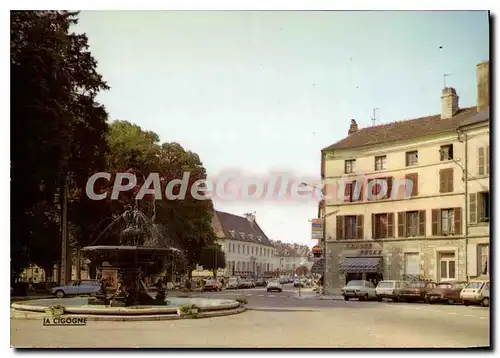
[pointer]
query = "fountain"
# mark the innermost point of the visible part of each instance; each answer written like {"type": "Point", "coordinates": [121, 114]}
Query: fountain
{"type": "Point", "coordinates": [141, 250]}
{"type": "Point", "coordinates": [138, 251]}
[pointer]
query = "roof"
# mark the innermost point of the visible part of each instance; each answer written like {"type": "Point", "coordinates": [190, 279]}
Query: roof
{"type": "Point", "coordinates": [239, 224]}
{"type": "Point", "coordinates": [483, 116]}
{"type": "Point", "coordinates": [404, 130]}
{"type": "Point", "coordinates": [292, 250]}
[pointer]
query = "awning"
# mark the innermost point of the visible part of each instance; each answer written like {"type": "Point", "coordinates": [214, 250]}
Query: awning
{"type": "Point", "coordinates": [361, 265]}
{"type": "Point", "coordinates": [319, 266]}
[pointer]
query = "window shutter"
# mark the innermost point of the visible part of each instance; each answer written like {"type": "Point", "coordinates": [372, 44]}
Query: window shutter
{"type": "Point", "coordinates": [360, 198]}
{"type": "Point", "coordinates": [348, 192]}
{"type": "Point", "coordinates": [340, 227]}
{"type": "Point", "coordinates": [458, 221]}
{"type": "Point", "coordinates": [442, 181]}
{"type": "Point", "coordinates": [449, 186]}
{"type": "Point", "coordinates": [473, 208]}
{"type": "Point", "coordinates": [359, 222]}
{"type": "Point", "coordinates": [421, 223]}
{"type": "Point", "coordinates": [414, 191]}
{"type": "Point", "coordinates": [373, 227]}
{"type": "Point", "coordinates": [435, 222]}
{"type": "Point", "coordinates": [488, 159]}
{"type": "Point", "coordinates": [390, 225]}
{"type": "Point", "coordinates": [480, 207]}
{"type": "Point", "coordinates": [389, 188]}
{"type": "Point", "coordinates": [480, 160]}
{"type": "Point", "coordinates": [401, 224]}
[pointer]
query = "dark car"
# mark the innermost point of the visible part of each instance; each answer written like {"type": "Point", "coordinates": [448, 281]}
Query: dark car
{"type": "Point", "coordinates": [416, 291]}
{"type": "Point", "coordinates": [260, 282]}
{"type": "Point", "coordinates": [446, 292]}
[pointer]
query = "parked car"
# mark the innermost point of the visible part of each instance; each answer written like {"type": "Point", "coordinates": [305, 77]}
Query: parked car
{"type": "Point", "coordinates": [233, 283]}
{"type": "Point", "coordinates": [416, 291]}
{"type": "Point", "coordinates": [260, 282]}
{"type": "Point", "coordinates": [274, 285]}
{"type": "Point", "coordinates": [298, 283]}
{"type": "Point", "coordinates": [477, 291]}
{"type": "Point", "coordinates": [75, 288]}
{"type": "Point", "coordinates": [390, 289]}
{"type": "Point", "coordinates": [247, 283]}
{"type": "Point", "coordinates": [212, 285]}
{"type": "Point", "coordinates": [361, 289]}
{"type": "Point", "coordinates": [446, 292]}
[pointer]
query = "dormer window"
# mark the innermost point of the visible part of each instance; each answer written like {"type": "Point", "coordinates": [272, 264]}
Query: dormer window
{"type": "Point", "coordinates": [232, 233]}
{"type": "Point", "coordinates": [251, 236]}
{"type": "Point", "coordinates": [259, 238]}
{"type": "Point", "coordinates": [242, 234]}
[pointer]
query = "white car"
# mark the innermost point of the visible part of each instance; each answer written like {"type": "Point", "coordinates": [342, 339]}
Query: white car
{"type": "Point", "coordinates": [476, 292]}
{"type": "Point", "coordinates": [364, 290]}
{"type": "Point", "coordinates": [77, 288]}
{"type": "Point", "coordinates": [389, 289]}
{"type": "Point", "coordinates": [274, 285]}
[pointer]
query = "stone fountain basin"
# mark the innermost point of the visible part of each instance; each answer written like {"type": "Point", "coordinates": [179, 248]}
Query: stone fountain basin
{"type": "Point", "coordinates": [80, 305]}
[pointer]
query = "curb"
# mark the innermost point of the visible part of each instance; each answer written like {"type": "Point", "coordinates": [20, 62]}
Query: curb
{"type": "Point", "coordinates": [115, 318]}
{"type": "Point", "coordinates": [331, 298]}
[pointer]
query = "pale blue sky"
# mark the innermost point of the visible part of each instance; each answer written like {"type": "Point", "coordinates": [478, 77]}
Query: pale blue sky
{"type": "Point", "coordinates": [264, 91]}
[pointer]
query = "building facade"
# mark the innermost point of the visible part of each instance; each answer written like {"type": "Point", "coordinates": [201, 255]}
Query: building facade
{"type": "Point", "coordinates": [248, 250]}
{"type": "Point", "coordinates": [398, 192]}
{"type": "Point", "coordinates": [288, 257]}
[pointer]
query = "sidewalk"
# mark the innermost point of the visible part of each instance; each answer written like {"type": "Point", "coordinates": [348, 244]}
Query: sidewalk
{"type": "Point", "coordinates": [334, 294]}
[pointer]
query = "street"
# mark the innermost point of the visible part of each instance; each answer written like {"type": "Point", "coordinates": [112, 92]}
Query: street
{"type": "Point", "coordinates": [281, 320]}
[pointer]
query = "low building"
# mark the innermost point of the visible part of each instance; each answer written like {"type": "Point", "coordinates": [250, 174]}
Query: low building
{"type": "Point", "coordinates": [398, 208]}
{"type": "Point", "coordinates": [247, 248]}
{"type": "Point", "coordinates": [288, 257]}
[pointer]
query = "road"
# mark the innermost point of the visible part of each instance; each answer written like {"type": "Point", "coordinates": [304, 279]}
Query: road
{"type": "Point", "coordinates": [281, 320]}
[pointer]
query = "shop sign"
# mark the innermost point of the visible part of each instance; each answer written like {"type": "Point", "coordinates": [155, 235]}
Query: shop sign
{"type": "Point", "coordinates": [365, 249]}
{"type": "Point", "coordinates": [317, 229]}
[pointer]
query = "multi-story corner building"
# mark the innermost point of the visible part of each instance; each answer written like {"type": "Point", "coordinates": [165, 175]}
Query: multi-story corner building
{"type": "Point", "coordinates": [397, 230]}
{"type": "Point", "coordinates": [248, 250]}
{"type": "Point", "coordinates": [288, 257]}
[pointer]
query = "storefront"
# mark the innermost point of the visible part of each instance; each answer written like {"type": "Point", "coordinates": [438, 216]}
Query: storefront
{"type": "Point", "coordinates": [362, 261]}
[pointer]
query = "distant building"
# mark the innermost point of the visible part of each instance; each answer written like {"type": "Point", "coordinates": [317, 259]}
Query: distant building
{"type": "Point", "coordinates": [247, 248]}
{"type": "Point", "coordinates": [288, 257]}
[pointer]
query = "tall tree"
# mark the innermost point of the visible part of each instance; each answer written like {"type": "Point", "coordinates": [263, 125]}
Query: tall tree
{"type": "Point", "coordinates": [57, 128]}
{"type": "Point", "coordinates": [213, 258]}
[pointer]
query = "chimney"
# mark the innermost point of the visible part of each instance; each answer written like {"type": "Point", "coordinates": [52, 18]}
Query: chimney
{"type": "Point", "coordinates": [449, 103]}
{"type": "Point", "coordinates": [483, 85]}
{"type": "Point", "coordinates": [250, 217]}
{"type": "Point", "coordinates": [353, 128]}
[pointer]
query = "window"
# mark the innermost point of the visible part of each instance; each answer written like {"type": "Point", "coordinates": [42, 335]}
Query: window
{"type": "Point", "coordinates": [412, 265]}
{"type": "Point", "coordinates": [349, 227]}
{"type": "Point", "coordinates": [447, 221]}
{"type": "Point", "coordinates": [447, 266]}
{"type": "Point", "coordinates": [382, 225]}
{"type": "Point", "coordinates": [446, 152]}
{"type": "Point", "coordinates": [446, 180]}
{"type": "Point", "coordinates": [234, 247]}
{"type": "Point", "coordinates": [229, 247]}
{"type": "Point", "coordinates": [411, 223]}
{"type": "Point", "coordinates": [248, 250]}
{"type": "Point", "coordinates": [375, 186]}
{"type": "Point", "coordinates": [411, 158]}
{"type": "Point", "coordinates": [482, 260]}
{"type": "Point", "coordinates": [252, 250]}
{"type": "Point", "coordinates": [350, 193]}
{"type": "Point", "coordinates": [381, 162]}
{"type": "Point", "coordinates": [483, 159]}
{"type": "Point", "coordinates": [232, 233]}
{"type": "Point", "coordinates": [242, 234]}
{"type": "Point", "coordinates": [479, 207]}
{"type": "Point", "coordinates": [238, 248]}
{"type": "Point", "coordinates": [350, 166]}
{"type": "Point", "coordinates": [260, 251]}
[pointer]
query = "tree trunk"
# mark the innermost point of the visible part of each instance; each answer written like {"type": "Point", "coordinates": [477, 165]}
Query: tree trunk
{"type": "Point", "coordinates": [78, 264]}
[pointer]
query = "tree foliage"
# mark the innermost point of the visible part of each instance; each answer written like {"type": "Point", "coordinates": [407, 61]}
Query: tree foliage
{"type": "Point", "coordinates": [213, 258]}
{"type": "Point", "coordinates": [57, 128]}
